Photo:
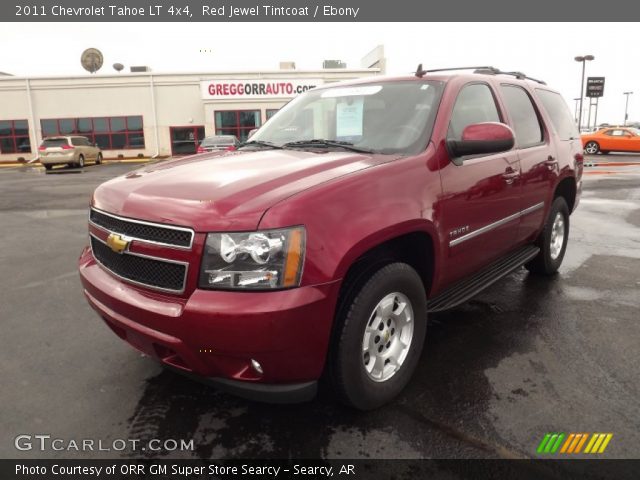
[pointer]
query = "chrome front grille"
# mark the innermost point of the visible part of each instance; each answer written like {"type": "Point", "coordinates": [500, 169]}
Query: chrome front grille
{"type": "Point", "coordinates": [167, 235]}
{"type": "Point", "coordinates": [159, 274]}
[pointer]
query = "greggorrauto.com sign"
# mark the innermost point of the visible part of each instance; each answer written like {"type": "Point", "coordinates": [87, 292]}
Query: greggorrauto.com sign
{"type": "Point", "coordinates": [256, 89]}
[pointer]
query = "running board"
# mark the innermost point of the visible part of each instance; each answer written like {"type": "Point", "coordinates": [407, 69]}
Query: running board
{"type": "Point", "coordinates": [469, 287]}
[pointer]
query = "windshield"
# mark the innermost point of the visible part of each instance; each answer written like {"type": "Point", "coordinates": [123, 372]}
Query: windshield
{"type": "Point", "coordinates": [385, 117]}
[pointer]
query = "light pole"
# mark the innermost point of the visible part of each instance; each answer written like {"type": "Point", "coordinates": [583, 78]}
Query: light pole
{"type": "Point", "coordinates": [626, 106]}
{"type": "Point", "coordinates": [583, 59]}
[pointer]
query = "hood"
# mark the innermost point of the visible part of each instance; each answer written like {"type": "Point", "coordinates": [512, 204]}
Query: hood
{"type": "Point", "coordinates": [229, 191]}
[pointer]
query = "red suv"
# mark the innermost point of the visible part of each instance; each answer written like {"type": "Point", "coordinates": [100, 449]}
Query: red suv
{"type": "Point", "coordinates": [320, 246]}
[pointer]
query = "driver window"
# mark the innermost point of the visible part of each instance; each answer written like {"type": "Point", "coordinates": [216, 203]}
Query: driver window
{"type": "Point", "coordinates": [475, 104]}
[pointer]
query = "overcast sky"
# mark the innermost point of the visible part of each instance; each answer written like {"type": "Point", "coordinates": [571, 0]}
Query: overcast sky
{"type": "Point", "coordinates": [541, 50]}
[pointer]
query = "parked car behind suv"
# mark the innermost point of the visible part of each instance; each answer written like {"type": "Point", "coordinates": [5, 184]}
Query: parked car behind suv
{"type": "Point", "coordinates": [321, 245]}
{"type": "Point", "coordinates": [217, 143]}
{"type": "Point", "coordinates": [74, 151]}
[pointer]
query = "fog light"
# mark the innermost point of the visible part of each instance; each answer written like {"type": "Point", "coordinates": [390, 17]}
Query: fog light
{"type": "Point", "coordinates": [256, 366]}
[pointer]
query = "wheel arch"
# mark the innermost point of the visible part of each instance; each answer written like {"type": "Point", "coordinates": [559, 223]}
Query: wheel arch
{"type": "Point", "coordinates": [567, 189]}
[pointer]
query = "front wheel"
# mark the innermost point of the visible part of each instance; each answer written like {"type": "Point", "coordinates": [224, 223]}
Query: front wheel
{"type": "Point", "coordinates": [381, 331]}
{"type": "Point", "coordinates": [592, 148]}
{"type": "Point", "coordinates": [552, 240]}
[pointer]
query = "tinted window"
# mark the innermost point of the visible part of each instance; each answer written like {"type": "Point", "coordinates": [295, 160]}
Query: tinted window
{"type": "Point", "coordinates": [54, 142]}
{"type": "Point", "coordinates": [563, 122]}
{"type": "Point", "coordinates": [475, 104]}
{"type": "Point", "coordinates": [526, 124]}
{"type": "Point", "coordinates": [101, 124]}
{"type": "Point", "coordinates": [118, 124]}
{"type": "Point", "coordinates": [67, 125]}
{"type": "Point", "coordinates": [615, 133]}
{"type": "Point", "coordinates": [84, 125]}
{"type": "Point", "coordinates": [5, 128]}
{"type": "Point", "coordinates": [134, 123]}
{"type": "Point", "coordinates": [49, 127]}
{"type": "Point", "coordinates": [21, 127]}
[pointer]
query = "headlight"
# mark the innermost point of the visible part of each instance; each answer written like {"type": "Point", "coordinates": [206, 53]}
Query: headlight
{"type": "Point", "coordinates": [253, 260]}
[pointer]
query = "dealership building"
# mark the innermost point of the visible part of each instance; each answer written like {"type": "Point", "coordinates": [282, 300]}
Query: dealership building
{"type": "Point", "coordinates": [152, 114]}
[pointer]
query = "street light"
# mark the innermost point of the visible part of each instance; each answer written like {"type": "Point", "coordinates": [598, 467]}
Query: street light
{"type": "Point", "coordinates": [583, 59]}
{"type": "Point", "coordinates": [626, 105]}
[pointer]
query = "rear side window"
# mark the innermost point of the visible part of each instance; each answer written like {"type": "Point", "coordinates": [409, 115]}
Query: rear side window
{"type": "Point", "coordinates": [615, 133]}
{"type": "Point", "coordinates": [475, 104]}
{"type": "Point", "coordinates": [563, 122]}
{"type": "Point", "coordinates": [523, 115]}
{"type": "Point", "coordinates": [54, 142]}
{"type": "Point", "coordinates": [78, 141]}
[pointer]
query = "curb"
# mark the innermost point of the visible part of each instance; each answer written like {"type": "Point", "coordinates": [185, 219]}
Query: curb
{"type": "Point", "coordinates": [104, 161]}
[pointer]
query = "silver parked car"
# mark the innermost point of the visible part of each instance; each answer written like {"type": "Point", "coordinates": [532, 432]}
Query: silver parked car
{"type": "Point", "coordinates": [72, 150]}
{"type": "Point", "coordinates": [218, 142]}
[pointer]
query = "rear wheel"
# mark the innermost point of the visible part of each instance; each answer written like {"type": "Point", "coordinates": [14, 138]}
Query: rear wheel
{"type": "Point", "coordinates": [552, 240]}
{"type": "Point", "coordinates": [381, 331]}
{"type": "Point", "coordinates": [99, 159]}
{"type": "Point", "coordinates": [81, 161]}
{"type": "Point", "coordinates": [592, 148]}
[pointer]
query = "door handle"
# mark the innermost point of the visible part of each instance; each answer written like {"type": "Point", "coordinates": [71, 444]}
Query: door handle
{"type": "Point", "coordinates": [510, 175]}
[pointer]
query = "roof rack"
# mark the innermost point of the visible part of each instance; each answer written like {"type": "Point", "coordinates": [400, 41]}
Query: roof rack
{"type": "Point", "coordinates": [486, 70]}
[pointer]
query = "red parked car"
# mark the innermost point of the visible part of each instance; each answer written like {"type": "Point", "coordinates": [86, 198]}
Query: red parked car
{"type": "Point", "coordinates": [320, 246]}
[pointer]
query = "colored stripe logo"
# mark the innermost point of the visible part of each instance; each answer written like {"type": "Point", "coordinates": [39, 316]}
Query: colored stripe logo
{"type": "Point", "coordinates": [571, 443]}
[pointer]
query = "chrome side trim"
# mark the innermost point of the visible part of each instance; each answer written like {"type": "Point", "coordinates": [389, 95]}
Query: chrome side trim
{"type": "Point", "coordinates": [145, 285]}
{"type": "Point", "coordinates": [142, 222]}
{"type": "Point", "coordinates": [494, 225]}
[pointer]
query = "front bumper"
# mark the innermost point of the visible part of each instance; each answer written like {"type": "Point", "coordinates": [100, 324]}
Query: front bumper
{"type": "Point", "coordinates": [214, 335]}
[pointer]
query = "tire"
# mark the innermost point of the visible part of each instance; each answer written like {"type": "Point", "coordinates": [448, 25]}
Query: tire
{"type": "Point", "coordinates": [397, 294]}
{"type": "Point", "coordinates": [48, 167]}
{"type": "Point", "coordinates": [556, 229]}
{"type": "Point", "coordinates": [592, 148]}
{"type": "Point", "coordinates": [80, 163]}
{"type": "Point", "coordinates": [99, 159]}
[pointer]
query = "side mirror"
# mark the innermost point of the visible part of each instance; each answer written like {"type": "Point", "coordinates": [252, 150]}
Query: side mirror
{"type": "Point", "coordinates": [251, 132]}
{"type": "Point", "coordinates": [482, 138]}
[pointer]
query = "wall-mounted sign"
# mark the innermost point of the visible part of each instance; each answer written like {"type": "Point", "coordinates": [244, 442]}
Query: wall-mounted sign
{"type": "Point", "coordinates": [256, 89]}
{"type": "Point", "coordinates": [595, 86]}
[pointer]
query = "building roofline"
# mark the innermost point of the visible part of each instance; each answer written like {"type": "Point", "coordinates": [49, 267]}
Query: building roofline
{"type": "Point", "coordinates": [191, 74]}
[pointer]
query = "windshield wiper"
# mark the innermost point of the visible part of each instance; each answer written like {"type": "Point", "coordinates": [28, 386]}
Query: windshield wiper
{"type": "Point", "coordinates": [318, 142]}
{"type": "Point", "coordinates": [260, 143]}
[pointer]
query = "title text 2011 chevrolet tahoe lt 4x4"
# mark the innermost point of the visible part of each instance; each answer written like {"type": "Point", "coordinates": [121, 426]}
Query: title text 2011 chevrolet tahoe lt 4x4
{"type": "Point", "coordinates": [321, 244]}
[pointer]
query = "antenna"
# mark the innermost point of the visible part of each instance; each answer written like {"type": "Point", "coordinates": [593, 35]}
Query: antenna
{"type": "Point", "coordinates": [420, 72]}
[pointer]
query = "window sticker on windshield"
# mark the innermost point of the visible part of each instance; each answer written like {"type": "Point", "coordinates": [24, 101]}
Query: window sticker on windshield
{"type": "Point", "coordinates": [351, 91]}
{"type": "Point", "coordinates": [349, 118]}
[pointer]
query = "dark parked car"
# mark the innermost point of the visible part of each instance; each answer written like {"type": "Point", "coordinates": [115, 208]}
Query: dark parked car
{"type": "Point", "coordinates": [320, 246]}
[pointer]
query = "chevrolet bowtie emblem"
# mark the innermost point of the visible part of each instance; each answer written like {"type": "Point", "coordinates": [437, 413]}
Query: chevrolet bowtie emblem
{"type": "Point", "coordinates": [117, 243]}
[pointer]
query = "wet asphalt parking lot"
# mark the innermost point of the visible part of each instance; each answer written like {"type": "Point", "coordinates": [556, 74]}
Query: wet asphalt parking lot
{"type": "Point", "coordinates": [525, 357]}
